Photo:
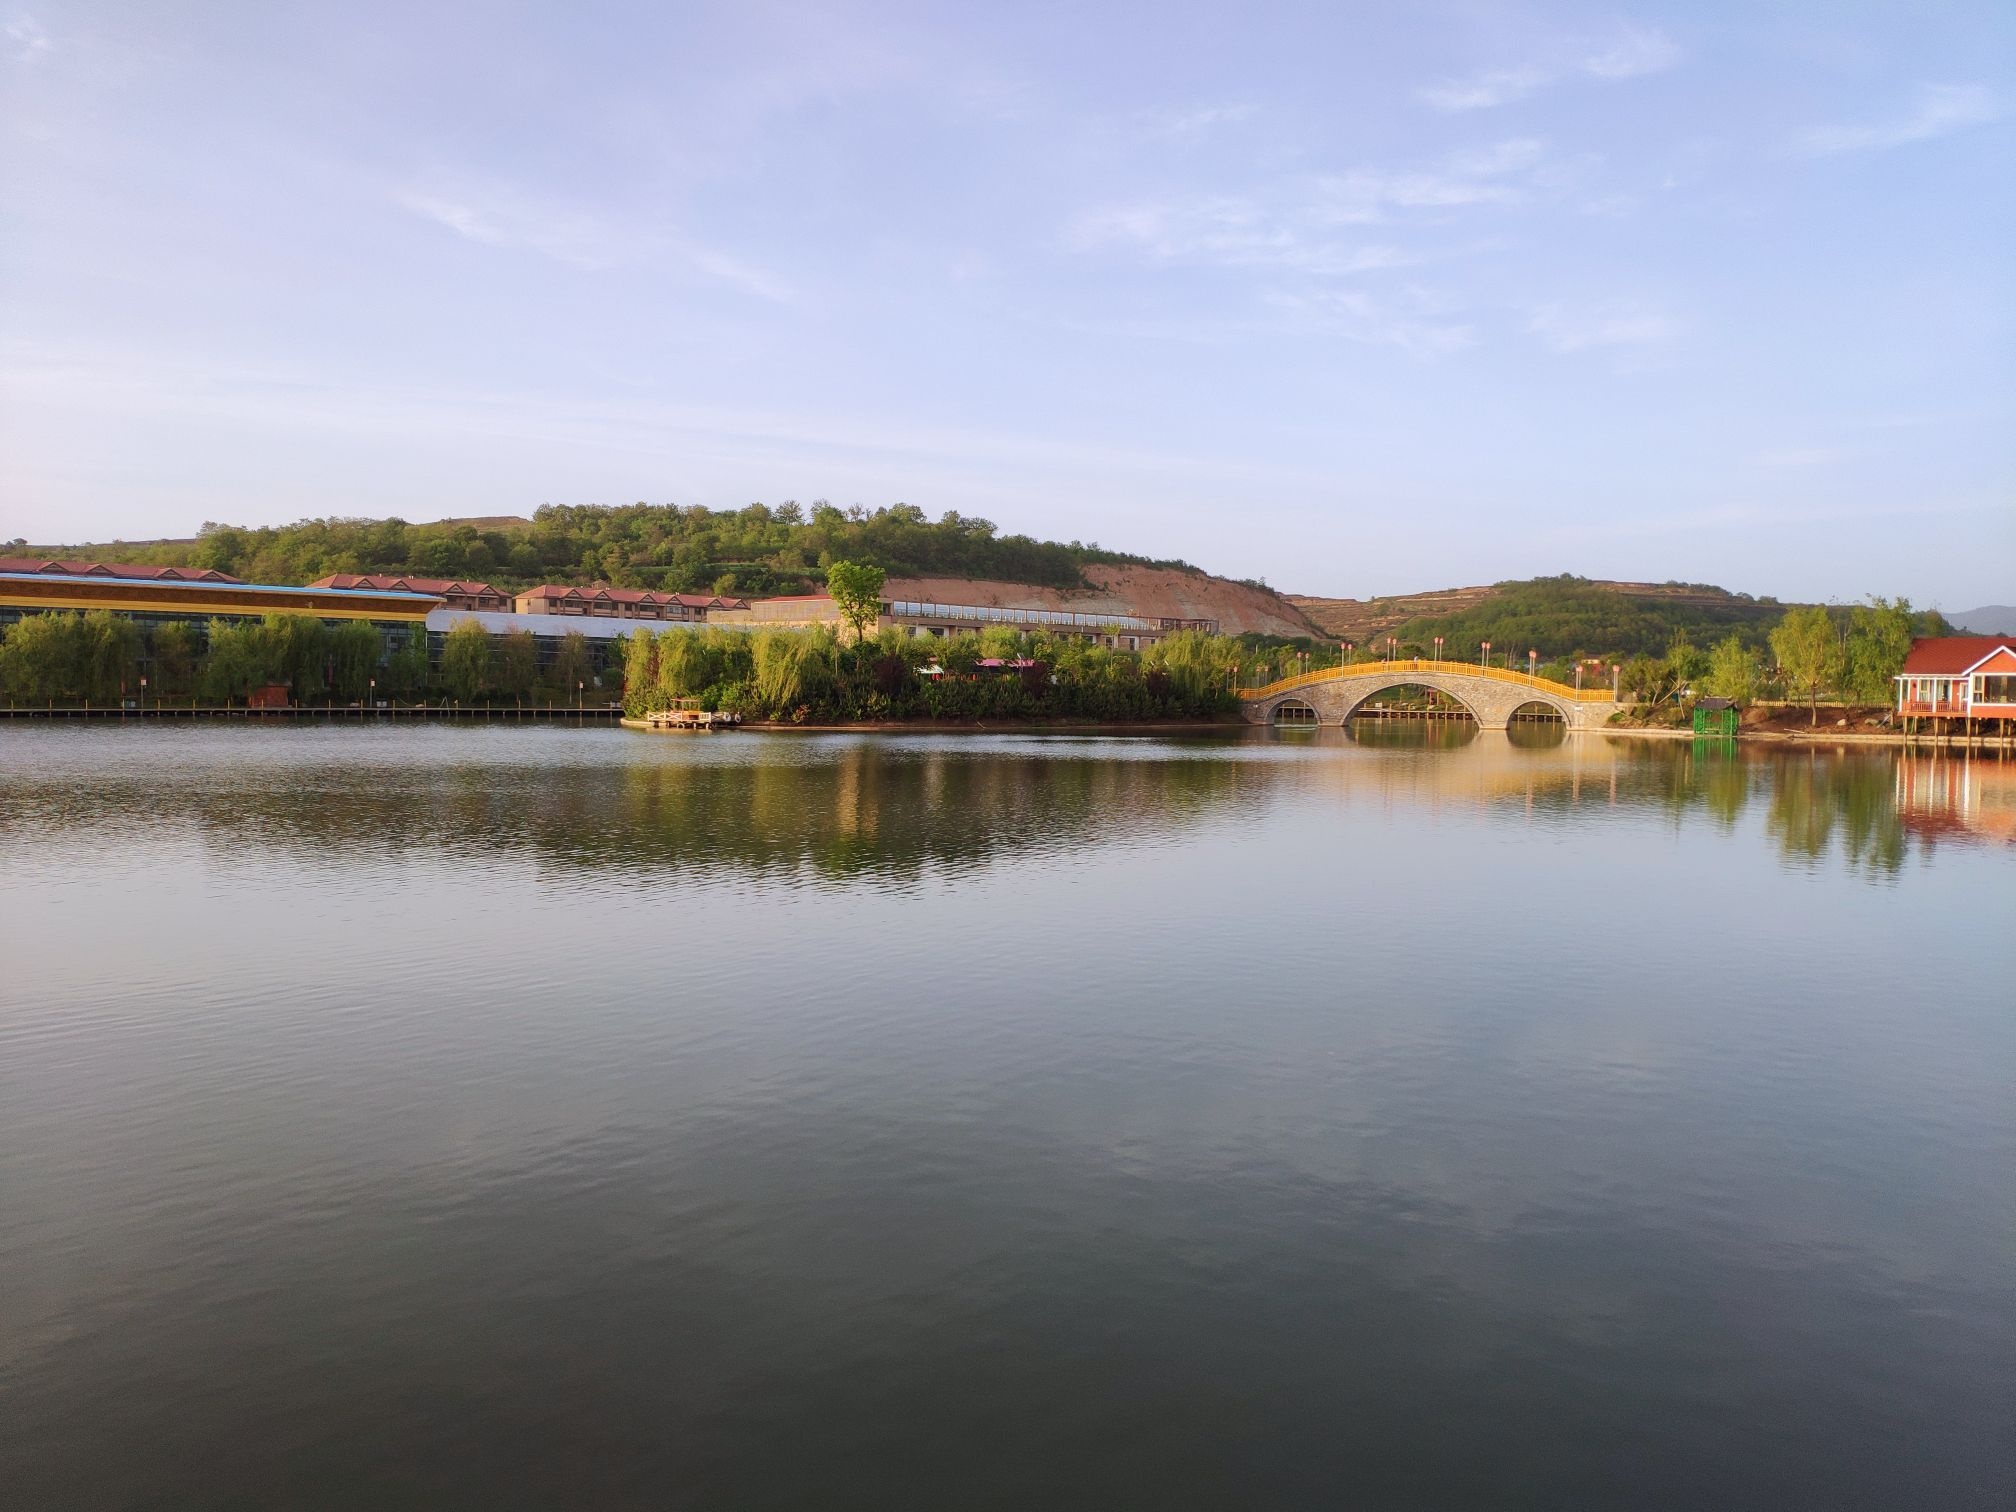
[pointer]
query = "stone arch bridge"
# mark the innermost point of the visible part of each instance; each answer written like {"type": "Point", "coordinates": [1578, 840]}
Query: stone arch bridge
{"type": "Point", "coordinates": [1490, 694]}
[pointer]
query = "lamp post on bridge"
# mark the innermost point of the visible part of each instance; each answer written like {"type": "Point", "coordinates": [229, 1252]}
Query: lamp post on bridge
{"type": "Point", "coordinates": [1484, 660]}
{"type": "Point", "coordinates": [1533, 663]}
{"type": "Point", "coordinates": [1438, 650]}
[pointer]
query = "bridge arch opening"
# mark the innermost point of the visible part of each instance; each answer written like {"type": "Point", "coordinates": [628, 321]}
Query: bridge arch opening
{"type": "Point", "coordinates": [1537, 724]}
{"type": "Point", "coordinates": [1411, 701]}
{"type": "Point", "coordinates": [1411, 715]}
{"type": "Point", "coordinates": [1294, 714]}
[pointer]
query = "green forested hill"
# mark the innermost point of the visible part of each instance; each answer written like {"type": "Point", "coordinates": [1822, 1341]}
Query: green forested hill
{"type": "Point", "coordinates": [1562, 616]}
{"type": "Point", "coordinates": [1566, 616]}
{"type": "Point", "coordinates": [683, 549]}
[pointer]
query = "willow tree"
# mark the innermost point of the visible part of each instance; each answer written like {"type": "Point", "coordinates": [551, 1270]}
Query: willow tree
{"type": "Point", "coordinates": [242, 656]}
{"type": "Point", "coordinates": [173, 648]}
{"type": "Point", "coordinates": [640, 669]}
{"type": "Point", "coordinates": [465, 660]}
{"type": "Point", "coordinates": [354, 648]}
{"type": "Point", "coordinates": [110, 654]}
{"type": "Point", "coordinates": [41, 657]}
{"type": "Point", "coordinates": [299, 647]}
{"type": "Point", "coordinates": [572, 666]}
{"type": "Point", "coordinates": [518, 664]}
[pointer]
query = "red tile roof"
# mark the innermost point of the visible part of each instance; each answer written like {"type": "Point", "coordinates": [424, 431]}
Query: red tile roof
{"type": "Point", "coordinates": [115, 570]}
{"type": "Point", "coordinates": [1951, 655]}
{"type": "Point", "coordinates": [386, 583]}
{"type": "Point", "coordinates": [614, 595]}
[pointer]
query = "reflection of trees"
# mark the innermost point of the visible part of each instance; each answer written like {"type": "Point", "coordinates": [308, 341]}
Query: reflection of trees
{"type": "Point", "coordinates": [1421, 734]}
{"type": "Point", "coordinates": [821, 808]}
{"type": "Point", "coordinates": [864, 810]}
{"type": "Point", "coordinates": [873, 811]}
{"type": "Point", "coordinates": [1815, 798]}
{"type": "Point", "coordinates": [1820, 803]}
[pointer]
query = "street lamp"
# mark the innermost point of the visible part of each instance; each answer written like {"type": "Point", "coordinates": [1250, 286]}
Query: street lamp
{"type": "Point", "coordinates": [143, 695]}
{"type": "Point", "coordinates": [1484, 660]}
{"type": "Point", "coordinates": [1438, 649]}
{"type": "Point", "coordinates": [1533, 663]}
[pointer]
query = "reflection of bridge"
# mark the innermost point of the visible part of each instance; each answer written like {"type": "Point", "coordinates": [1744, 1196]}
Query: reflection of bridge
{"type": "Point", "coordinates": [1489, 694]}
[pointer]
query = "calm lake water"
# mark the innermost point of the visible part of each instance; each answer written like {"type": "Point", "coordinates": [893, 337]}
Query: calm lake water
{"type": "Point", "coordinates": [472, 1117]}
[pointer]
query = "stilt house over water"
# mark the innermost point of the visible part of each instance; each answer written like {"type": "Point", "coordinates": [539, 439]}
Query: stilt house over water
{"type": "Point", "coordinates": [1959, 677]}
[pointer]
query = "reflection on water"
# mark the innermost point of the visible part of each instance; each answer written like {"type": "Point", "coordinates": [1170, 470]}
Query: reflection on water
{"type": "Point", "coordinates": [845, 806]}
{"type": "Point", "coordinates": [1405, 1117]}
{"type": "Point", "coordinates": [1939, 796]}
{"type": "Point", "coordinates": [1412, 734]}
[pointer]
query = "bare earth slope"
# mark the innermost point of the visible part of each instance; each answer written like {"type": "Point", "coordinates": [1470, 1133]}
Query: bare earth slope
{"type": "Point", "coordinates": [1361, 619]}
{"type": "Point", "coordinates": [1154, 592]}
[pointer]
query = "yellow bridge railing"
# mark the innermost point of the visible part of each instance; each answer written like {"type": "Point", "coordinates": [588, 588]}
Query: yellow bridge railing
{"type": "Point", "coordinates": [1416, 664]}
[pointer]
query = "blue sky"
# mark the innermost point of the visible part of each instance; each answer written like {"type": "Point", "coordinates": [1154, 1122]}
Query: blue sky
{"type": "Point", "coordinates": [1355, 298]}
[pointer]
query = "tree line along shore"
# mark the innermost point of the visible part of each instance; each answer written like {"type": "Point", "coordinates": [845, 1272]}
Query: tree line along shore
{"type": "Point", "coordinates": [851, 672]}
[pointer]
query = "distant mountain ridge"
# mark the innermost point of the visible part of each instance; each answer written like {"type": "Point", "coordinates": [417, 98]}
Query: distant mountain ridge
{"type": "Point", "coordinates": [1989, 619]}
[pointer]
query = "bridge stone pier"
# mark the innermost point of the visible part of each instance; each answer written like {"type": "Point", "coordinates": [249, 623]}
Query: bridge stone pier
{"type": "Point", "coordinates": [1490, 694]}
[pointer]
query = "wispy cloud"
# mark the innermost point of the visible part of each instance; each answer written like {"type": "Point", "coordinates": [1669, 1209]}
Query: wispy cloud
{"type": "Point", "coordinates": [1629, 54]}
{"type": "Point", "coordinates": [1416, 322]}
{"type": "Point", "coordinates": [1197, 122]}
{"type": "Point", "coordinates": [564, 235]}
{"type": "Point", "coordinates": [1295, 227]}
{"type": "Point", "coordinates": [1231, 232]}
{"type": "Point", "coordinates": [1801, 456]}
{"type": "Point", "coordinates": [1939, 110]}
{"type": "Point", "coordinates": [1568, 329]}
{"type": "Point", "coordinates": [578, 238]}
{"type": "Point", "coordinates": [26, 40]}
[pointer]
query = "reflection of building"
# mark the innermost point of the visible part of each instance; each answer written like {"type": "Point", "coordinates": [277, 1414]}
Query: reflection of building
{"type": "Point", "coordinates": [453, 592]}
{"type": "Point", "coordinates": [621, 603]}
{"type": "Point", "coordinates": [1940, 796]}
{"type": "Point", "coordinates": [1130, 632]}
{"type": "Point", "coordinates": [1959, 677]}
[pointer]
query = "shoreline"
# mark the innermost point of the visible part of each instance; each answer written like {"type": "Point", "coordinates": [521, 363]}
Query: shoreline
{"type": "Point", "coordinates": [969, 727]}
{"type": "Point", "coordinates": [1822, 736]}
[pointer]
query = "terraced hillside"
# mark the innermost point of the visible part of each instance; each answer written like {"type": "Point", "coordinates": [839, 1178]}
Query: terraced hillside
{"type": "Point", "coordinates": [1557, 616]}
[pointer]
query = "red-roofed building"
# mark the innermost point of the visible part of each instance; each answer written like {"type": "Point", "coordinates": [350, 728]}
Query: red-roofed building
{"type": "Point", "coordinates": [1959, 677]}
{"type": "Point", "coordinates": [621, 603]}
{"type": "Point", "coordinates": [454, 593]}
{"type": "Point", "coordinates": [121, 571]}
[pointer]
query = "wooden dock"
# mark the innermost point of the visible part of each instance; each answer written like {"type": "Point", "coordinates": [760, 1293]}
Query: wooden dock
{"type": "Point", "coordinates": [686, 719]}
